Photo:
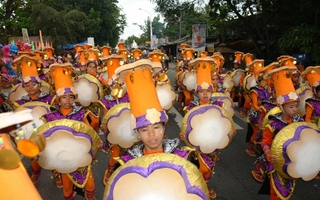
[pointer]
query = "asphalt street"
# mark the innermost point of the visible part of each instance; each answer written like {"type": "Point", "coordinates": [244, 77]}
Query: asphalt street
{"type": "Point", "coordinates": [232, 179]}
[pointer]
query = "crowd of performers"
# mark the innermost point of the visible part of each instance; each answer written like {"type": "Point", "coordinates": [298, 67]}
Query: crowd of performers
{"type": "Point", "coordinates": [127, 98]}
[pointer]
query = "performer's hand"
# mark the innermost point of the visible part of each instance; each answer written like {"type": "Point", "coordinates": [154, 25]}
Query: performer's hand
{"type": "Point", "coordinates": [234, 133]}
{"type": "Point", "coordinates": [273, 160]}
{"type": "Point", "coordinates": [181, 136]}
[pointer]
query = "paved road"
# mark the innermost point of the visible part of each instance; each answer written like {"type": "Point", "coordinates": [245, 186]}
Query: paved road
{"type": "Point", "coordinates": [232, 179]}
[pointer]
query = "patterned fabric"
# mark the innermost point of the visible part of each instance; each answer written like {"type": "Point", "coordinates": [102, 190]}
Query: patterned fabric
{"type": "Point", "coordinates": [169, 146]}
{"type": "Point", "coordinates": [77, 114]}
{"type": "Point", "coordinates": [213, 101]}
{"type": "Point", "coordinates": [315, 104]}
{"type": "Point", "coordinates": [109, 101]}
{"type": "Point", "coordinates": [220, 88]}
{"type": "Point", "coordinates": [43, 97]}
{"type": "Point", "coordinates": [277, 123]}
{"type": "Point", "coordinates": [263, 95]}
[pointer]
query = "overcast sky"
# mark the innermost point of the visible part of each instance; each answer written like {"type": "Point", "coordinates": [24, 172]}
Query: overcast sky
{"type": "Point", "coordinates": [134, 15]}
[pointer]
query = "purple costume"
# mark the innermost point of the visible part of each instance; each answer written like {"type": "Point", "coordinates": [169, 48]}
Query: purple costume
{"type": "Point", "coordinates": [78, 177]}
{"type": "Point", "coordinates": [284, 186]}
{"type": "Point", "coordinates": [169, 146]}
{"type": "Point", "coordinates": [263, 95]}
{"type": "Point", "coordinates": [43, 97]}
{"type": "Point", "coordinates": [315, 105]}
{"type": "Point", "coordinates": [213, 101]}
{"type": "Point", "coordinates": [109, 101]}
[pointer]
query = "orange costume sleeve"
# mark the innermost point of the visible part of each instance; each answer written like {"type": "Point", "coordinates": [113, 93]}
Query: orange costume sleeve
{"type": "Point", "coordinates": [254, 100]}
{"type": "Point", "coordinates": [241, 80]}
{"type": "Point", "coordinates": [309, 111]}
{"type": "Point", "coordinates": [267, 137]}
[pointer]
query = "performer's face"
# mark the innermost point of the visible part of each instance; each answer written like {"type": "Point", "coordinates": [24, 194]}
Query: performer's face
{"type": "Point", "coordinates": [291, 109]}
{"type": "Point", "coordinates": [66, 101]}
{"type": "Point", "coordinates": [92, 68]}
{"type": "Point", "coordinates": [235, 65]}
{"type": "Point", "coordinates": [215, 80]}
{"type": "Point", "coordinates": [295, 78]}
{"type": "Point", "coordinates": [204, 95]}
{"type": "Point", "coordinates": [83, 68]}
{"type": "Point", "coordinates": [32, 88]}
{"type": "Point", "coordinates": [152, 136]}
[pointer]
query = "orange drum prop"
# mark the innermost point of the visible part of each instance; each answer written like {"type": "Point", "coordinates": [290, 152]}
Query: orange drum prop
{"type": "Point", "coordinates": [69, 145]}
{"type": "Point", "coordinates": [248, 82]}
{"type": "Point", "coordinates": [156, 177]}
{"type": "Point", "coordinates": [227, 101]}
{"type": "Point", "coordinates": [296, 148]}
{"type": "Point", "coordinates": [38, 109]}
{"type": "Point", "coordinates": [18, 91]}
{"type": "Point", "coordinates": [304, 93]}
{"type": "Point", "coordinates": [89, 89]}
{"type": "Point", "coordinates": [119, 130]}
{"type": "Point", "coordinates": [236, 76]}
{"type": "Point", "coordinates": [207, 128]}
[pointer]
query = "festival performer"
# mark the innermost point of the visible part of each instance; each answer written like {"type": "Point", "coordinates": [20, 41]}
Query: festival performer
{"type": "Point", "coordinates": [204, 67]}
{"type": "Point", "coordinates": [236, 69]}
{"type": "Point", "coordinates": [244, 81]}
{"type": "Point", "coordinates": [49, 55]}
{"type": "Point", "coordinates": [217, 87]}
{"type": "Point", "coordinates": [185, 94]}
{"type": "Point", "coordinates": [266, 106]}
{"type": "Point", "coordinates": [92, 56]}
{"type": "Point", "coordinates": [122, 51]}
{"type": "Point", "coordinates": [31, 82]}
{"type": "Point", "coordinates": [149, 117]}
{"type": "Point", "coordinates": [288, 101]}
{"type": "Point", "coordinates": [40, 55]}
{"type": "Point", "coordinates": [219, 60]}
{"type": "Point", "coordinates": [66, 95]}
{"type": "Point", "coordinates": [257, 94]}
{"type": "Point", "coordinates": [81, 62]}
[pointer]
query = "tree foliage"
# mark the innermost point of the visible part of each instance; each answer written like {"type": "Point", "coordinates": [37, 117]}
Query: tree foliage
{"type": "Point", "coordinates": [65, 21]}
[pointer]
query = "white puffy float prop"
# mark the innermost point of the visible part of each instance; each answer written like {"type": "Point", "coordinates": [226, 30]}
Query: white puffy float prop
{"type": "Point", "coordinates": [118, 127]}
{"type": "Point", "coordinates": [165, 91]}
{"type": "Point", "coordinates": [157, 177]}
{"type": "Point", "coordinates": [38, 109]}
{"type": "Point", "coordinates": [207, 128]}
{"type": "Point", "coordinates": [227, 101]}
{"type": "Point", "coordinates": [296, 148]}
{"type": "Point", "coordinates": [304, 93]}
{"type": "Point", "coordinates": [236, 76]}
{"type": "Point", "coordinates": [68, 145]}
{"type": "Point", "coordinates": [89, 89]}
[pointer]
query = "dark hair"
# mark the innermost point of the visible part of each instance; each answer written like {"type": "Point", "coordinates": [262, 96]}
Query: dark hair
{"type": "Point", "coordinates": [305, 63]}
{"type": "Point", "coordinates": [317, 88]}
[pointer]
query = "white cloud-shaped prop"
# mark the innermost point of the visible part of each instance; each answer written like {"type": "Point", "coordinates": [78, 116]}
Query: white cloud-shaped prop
{"type": "Point", "coordinates": [121, 130]}
{"type": "Point", "coordinates": [210, 131]}
{"type": "Point", "coordinates": [87, 91]}
{"type": "Point", "coordinates": [65, 152]}
{"type": "Point", "coordinates": [37, 112]}
{"type": "Point", "coordinates": [304, 155]}
{"type": "Point", "coordinates": [190, 80]}
{"type": "Point", "coordinates": [160, 185]}
{"type": "Point", "coordinates": [166, 96]}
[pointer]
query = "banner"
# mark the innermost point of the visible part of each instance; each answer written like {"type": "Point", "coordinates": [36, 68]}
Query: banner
{"type": "Point", "coordinates": [199, 36]}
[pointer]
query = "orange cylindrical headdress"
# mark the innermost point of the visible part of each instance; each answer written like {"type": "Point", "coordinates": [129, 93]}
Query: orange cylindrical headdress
{"type": "Point", "coordinates": [112, 62]}
{"type": "Point", "coordinates": [204, 67]}
{"type": "Point", "coordinates": [121, 45]}
{"type": "Point", "coordinates": [188, 54]}
{"type": "Point", "coordinates": [156, 57]}
{"type": "Point", "coordinates": [92, 55]}
{"type": "Point", "coordinates": [61, 74]}
{"type": "Point", "coordinates": [267, 69]}
{"type": "Point", "coordinates": [280, 58]}
{"type": "Point", "coordinates": [289, 61]}
{"type": "Point", "coordinates": [82, 57]}
{"type": "Point", "coordinates": [184, 46]}
{"type": "Point", "coordinates": [144, 101]}
{"type": "Point", "coordinates": [238, 57]}
{"type": "Point", "coordinates": [312, 75]}
{"type": "Point", "coordinates": [136, 54]}
{"type": "Point", "coordinates": [256, 65]}
{"type": "Point", "coordinates": [124, 53]}
{"type": "Point", "coordinates": [87, 46]}
{"type": "Point", "coordinates": [39, 55]}
{"type": "Point", "coordinates": [106, 51]}
{"type": "Point", "coordinates": [218, 58]}
{"type": "Point", "coordinates": [28, 67]}
{"type": "Point", "coordinates": [49, 53]}
{"type": "Point", "coordinates": [77, 48]}
{"type": "Point", "coordinates": [248, 57]}
{"type": "Point", "coordinates": [203, 54]}
{"type": "Point", "coordinates": [281, 78]}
